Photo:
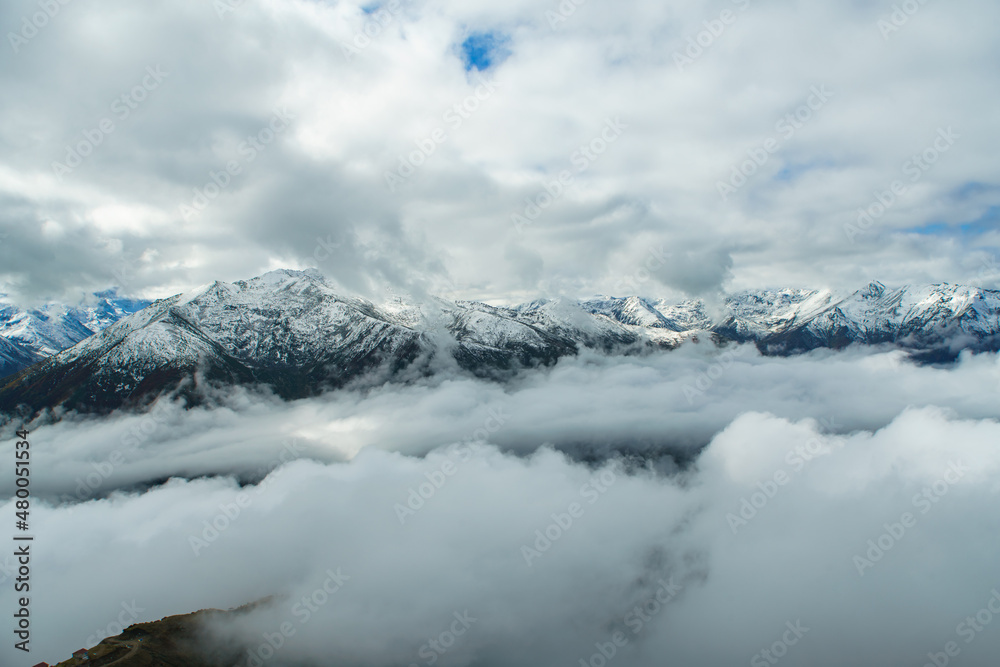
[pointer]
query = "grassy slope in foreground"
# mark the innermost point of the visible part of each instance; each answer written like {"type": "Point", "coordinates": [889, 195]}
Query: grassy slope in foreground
{"type": "Point", "coordinates": [175, 641]}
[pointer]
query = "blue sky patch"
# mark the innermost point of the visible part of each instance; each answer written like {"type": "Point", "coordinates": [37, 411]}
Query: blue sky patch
{"type": "Point", "coordinates": [482, 50]}
{"type": "Point", "coordinates": [972, 189]}
{"type": "Point", "coordinates": [792, 170]}
{"type": "Point", "coordinates": [988, 222]}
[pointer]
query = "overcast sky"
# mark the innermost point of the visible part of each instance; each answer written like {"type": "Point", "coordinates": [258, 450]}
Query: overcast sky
{"type": "Point", "coordinates": [664, 120]}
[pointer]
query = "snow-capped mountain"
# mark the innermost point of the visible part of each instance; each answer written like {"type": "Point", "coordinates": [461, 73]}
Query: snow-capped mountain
{"type": "Point", "coordinates": [935, 318]}
{"type": "Point", "coordinates": [41, 332]}
{"type": "Point", "coordinates": [15, 357]}
{"type": "Point", "coordinates": [291, 331]}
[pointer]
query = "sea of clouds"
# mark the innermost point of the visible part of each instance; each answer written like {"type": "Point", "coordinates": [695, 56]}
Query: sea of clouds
{"type": "Point", "coordinates": [700, 507]}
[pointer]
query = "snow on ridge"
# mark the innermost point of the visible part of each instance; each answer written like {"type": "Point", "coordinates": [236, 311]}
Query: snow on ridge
{"type": "Point", "coordinates": [300, 309]}
{"type": "Point", "coordinates": [53, 327]}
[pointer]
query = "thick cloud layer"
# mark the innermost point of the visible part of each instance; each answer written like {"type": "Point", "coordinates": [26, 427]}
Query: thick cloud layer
{"type": "Point", "coordinates": [663, 407]}
{"type": "Point", "coordinates": [832, 102]}
{"type": "Point", "coordinates": [866, 540]}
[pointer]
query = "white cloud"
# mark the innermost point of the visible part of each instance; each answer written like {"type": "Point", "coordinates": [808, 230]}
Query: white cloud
{"type": "Point", "coordinates": [818, 491]}
{"type": "Point", "coordinates": [687, 129]}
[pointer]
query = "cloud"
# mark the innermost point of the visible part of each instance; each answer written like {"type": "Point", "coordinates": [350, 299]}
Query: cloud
{"type": "Point", "coordinates": [662, 406]}
{"type": "Point", "coordinates": [811, 464]}
{"type": "Point", "coordinates": [357, 112]}
{"type": "Point", "coordinates": [697, 272]}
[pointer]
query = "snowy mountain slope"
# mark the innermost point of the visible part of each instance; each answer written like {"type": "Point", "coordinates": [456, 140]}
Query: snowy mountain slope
{"type": "Point", "coordinates": [286, 319]}
{"type": "Point", "coordinates": [950, 317]}
{"type": "Point", "coordinates": [51, 328]}
{"type": "Point", "coordinates": [685, 316]}
{"type": "Point", "coordinates": [15, 357]}
{"type": "Point", "coordinates": [290, 331]}
{"type": "Point", "coordinates": [287, 331]}
{"type": "Point", "coordinates": [632, 311]}
{"type": "Point", "coordinates": [757, 314]}
{"type": "Point", "coordinates": [569, 325]}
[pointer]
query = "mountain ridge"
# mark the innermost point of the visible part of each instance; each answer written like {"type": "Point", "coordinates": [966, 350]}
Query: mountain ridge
{"type": "Point", "coordinates": [292, 332]}
{"type": "Point", "coordinates": [31, 335]}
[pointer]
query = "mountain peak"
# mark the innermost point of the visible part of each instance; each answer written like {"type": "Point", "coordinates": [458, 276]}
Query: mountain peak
{"type": "Point", "coordinates": [279, 276]}
{"type": "Point", "coordinates": [874, 290]}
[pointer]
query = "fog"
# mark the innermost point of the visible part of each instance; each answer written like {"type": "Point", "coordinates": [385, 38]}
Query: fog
{"type": "Point", "coordinates": [833, 508]}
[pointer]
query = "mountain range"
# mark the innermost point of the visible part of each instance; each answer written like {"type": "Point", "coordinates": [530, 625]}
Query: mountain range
{"type": "Point", "coordinates": [292, 332]}
{"type": "Point", "coordinates": [30, 335]}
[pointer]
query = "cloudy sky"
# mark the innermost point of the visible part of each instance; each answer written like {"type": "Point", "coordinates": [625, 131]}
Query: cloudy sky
{"type": "Point", "coordinates": [497, 150]}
